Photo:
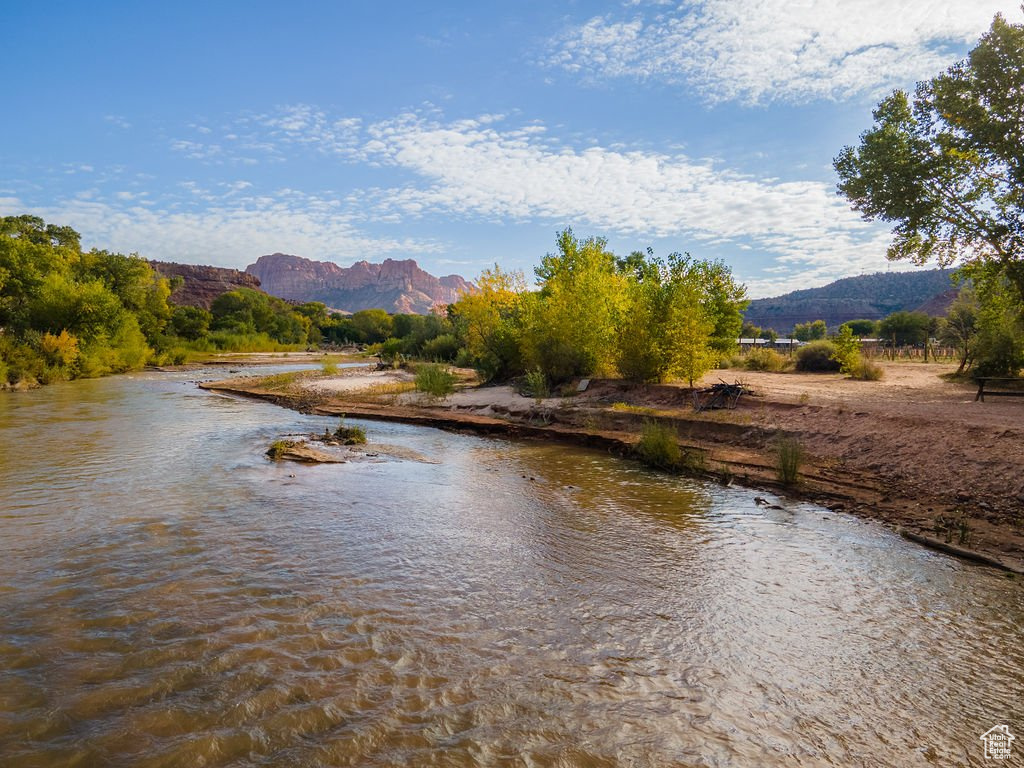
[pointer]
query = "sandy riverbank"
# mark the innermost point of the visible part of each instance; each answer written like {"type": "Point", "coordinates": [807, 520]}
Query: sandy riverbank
{"type": "Point", "coordinates": [912, 450]}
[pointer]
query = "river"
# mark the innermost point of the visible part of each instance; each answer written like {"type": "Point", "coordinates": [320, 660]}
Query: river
{"type": "Point", "coordinates": [170, 597]}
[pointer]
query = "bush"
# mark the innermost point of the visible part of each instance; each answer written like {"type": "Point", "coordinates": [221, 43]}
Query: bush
{"type": "Point", "coordinates": [865, 370]}
{"type": "Point", "coordinates": [329, 367]}
{"type": "Point", "coordinates": [350, 435]}
{"type": "Point", "coordinates": [659, 446]}
{"type": "Point", "coordinates": [435, 380]}
{"type": "Point", "coordinates": [535, 384]}
{"type": "Point", "coordinates": [790, 456]}
{"type": "Point", "coordinates": [279, 447]}
{"type": "Point", "coordinates": [443, 348]}
{"type": "Point", "coordinates": [765, 360]}
{"type": "Point", "coordinates": [817, 357]}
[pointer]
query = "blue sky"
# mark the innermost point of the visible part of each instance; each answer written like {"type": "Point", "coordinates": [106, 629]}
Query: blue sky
{"type": "Point", "coordinates": [462, 134]}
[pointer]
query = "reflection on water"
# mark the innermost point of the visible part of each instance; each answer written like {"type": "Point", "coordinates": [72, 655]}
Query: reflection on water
{"type": "Point", "coordinates": [168, 597]}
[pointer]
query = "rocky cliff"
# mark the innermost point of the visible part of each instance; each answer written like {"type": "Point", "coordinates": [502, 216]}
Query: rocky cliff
{"type": "Point", "coordinates": [200, 284]}
{"type": "Point", "coordinates": [397, 286]}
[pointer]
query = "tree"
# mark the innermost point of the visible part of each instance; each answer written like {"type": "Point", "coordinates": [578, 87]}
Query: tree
{"type": "Point", "coordinates": [810, 331]}
{"type": "Point", "coordinates": [371, 326]}
{"type": "Point", "coordinates": [679, 316]}
{"type": "Point", "coordinates": [959, 329]}
{"type": "Point", "coordinates": [999, 344]}
{"type": "Point", "coordinates": [847, 350]}
{"type": "Point", "coordinates": [904, 328]}
{"type": "Point", "coordinates": [862, 328]}
{"type": "Point", "coordinates": [489, 322]}
{"type": "Point", "coordinates": [948, 168]}
{"type": "Point", "coordinates": [573, 330]}
{"type": "Point", "coordinates": [750, 331]}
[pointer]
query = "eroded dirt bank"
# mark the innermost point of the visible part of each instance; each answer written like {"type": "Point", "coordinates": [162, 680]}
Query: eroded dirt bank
{"type": "Point", "coordinates": [913, 450]}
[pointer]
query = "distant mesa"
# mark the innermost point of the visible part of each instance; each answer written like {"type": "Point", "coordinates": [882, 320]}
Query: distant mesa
{"type": "Point", "coordinates": [396, 286]}
{"type": "Point", "coordinates": [867, 297]}
{"type": "Point", "coordinates": [200, 285]}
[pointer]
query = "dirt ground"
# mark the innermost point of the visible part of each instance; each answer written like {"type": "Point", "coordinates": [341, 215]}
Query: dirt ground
{"type": "Point", "coordinates": [913, 428]}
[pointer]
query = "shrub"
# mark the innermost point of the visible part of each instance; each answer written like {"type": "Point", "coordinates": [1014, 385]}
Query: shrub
{"type": "Point", "coordinates": [390, 351]}
{"type": "Point", "coordinates": [535, 384]}
{"type": "Point", "coordinates": [355, 435]}
{"type": "Point", "coordinates": [443, 348]}
{"type": "Point", "coordinates": [765, 360]}
{"type": "Point", "coordinates": [278, 448]}
{"type": "Point", "coordinates": [818, 356]}
{"type": "Point", "coordinates": [865, 370]}
{"type": "Point", "coordinates": [790, 456]}
{"type": "Point", "coordinates": [329, 367]}
{"type": "Point", "coordinates": [659, 447]}
{"type": "Point", "coordinates": [435, 380]}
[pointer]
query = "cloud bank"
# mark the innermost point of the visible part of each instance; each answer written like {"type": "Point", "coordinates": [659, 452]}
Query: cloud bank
{"type": "Point", "coordinates": [759, 51]}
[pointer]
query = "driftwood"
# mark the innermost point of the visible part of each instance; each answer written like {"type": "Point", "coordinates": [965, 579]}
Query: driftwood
{"type": "Point", "coordinates": [723, 395]}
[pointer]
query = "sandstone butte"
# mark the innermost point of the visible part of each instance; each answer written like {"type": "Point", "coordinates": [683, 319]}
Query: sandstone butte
{"type": "Point", "coordinates": [398, 286]}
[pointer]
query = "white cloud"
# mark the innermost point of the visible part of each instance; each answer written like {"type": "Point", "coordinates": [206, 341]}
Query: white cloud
{"type": "Point", "coordinates": [195, 150]}
{"type": "Point", "coordinates": [473, 170]}
{"type": "Point", "coordinates": [119, 121]}
{"type": "Point", "coordinates": [226, 232]}
{"type": "Point", "coordinates": [757, 51]}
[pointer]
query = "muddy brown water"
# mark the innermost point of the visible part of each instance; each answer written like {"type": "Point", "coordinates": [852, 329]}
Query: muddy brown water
{"type": "Point", "coordinates": [169, 597]}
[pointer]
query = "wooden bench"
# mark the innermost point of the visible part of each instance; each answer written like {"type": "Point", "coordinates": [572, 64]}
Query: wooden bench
{"type": "Point", "coordinates": [1009, 387]}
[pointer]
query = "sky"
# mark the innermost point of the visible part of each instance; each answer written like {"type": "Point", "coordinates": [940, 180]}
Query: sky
{"type": "Point", "coordinates": [463, 134]}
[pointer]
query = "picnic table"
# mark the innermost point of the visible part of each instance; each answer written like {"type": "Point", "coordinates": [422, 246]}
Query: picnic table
{"type": "Point", "coordinates": [999, 386]}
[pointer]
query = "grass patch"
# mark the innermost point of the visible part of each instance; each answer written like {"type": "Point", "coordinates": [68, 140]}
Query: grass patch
{"type": "Point", "coordinates": [953, 527]}
{"type": "Point", "coordinates": [278, 448]}
{"type": "Point", "coordinates": [329, 367]}
{"type": "Point", "coordinates": [659, 447]}
{"type": "Point", "coordinates": [345, 435]}
{"type": "Point", "coordinates": [790, 457]}
{"type": "Point", "coordinates": [280, 382]}
{"type": "Point", "coordinates": [434, 380]}
{"type": "Point", "coordinates": [535, 385]}
{"type": "Point", "coordinates": [628, 408]}
{"type": "Point", "coordinates": [380, 393]}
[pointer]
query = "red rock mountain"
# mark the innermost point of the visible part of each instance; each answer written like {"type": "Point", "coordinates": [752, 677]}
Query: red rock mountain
{"type": "Point", "coordinates": [200, 284]}
{"type": "Point", "coordinates": [397, 286]}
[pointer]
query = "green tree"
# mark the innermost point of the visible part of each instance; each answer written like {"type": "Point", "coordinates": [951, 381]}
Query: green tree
{"type": "Point", "coordinates": [862, 328]}
{"type": "Point", "coordinates": [903, 328]}
{"type": "Point", "coordinates": [678, 318]}
{"type": "Point", "coordinates": [847, 349]}
{"type": "Point", "coordinates": [959, 329]}
{"type": "Point", "coordinates": [750, 331]}
{"type": "Point", "coordinates": [371, 326]}
{"type": "Point", "coordinates": [810, 331]}
{"type": "Point", "coordinates": [573, 330]}
{"type": "Point", "coordinates": [491, 323]}
{"type": "Point", "coordinates": [190, 323]}
{"type": "Point", "coordinates": [947, 168]}
{"type": "Point", "coordinates": [999, 344]}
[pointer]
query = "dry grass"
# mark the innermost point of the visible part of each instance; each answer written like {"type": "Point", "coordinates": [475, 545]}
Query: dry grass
{"type": "Point", "coordinates": [627, 408]}
{"type": "Point", "coordinates": [386, 392]}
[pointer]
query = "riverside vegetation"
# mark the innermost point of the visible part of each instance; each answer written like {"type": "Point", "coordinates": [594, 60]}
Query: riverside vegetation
{"type": "Point", "coordinates": [67, 313]}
